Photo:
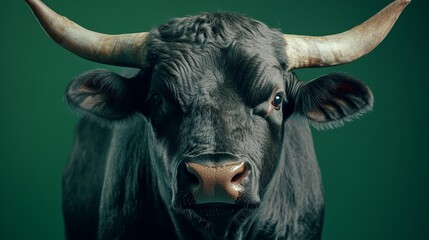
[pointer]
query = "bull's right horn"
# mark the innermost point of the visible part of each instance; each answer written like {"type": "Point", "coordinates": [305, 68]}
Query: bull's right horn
{"type": "Point", "coordinates": [126, 50]}
{"type": "Point", "coordinates": [308, 51]}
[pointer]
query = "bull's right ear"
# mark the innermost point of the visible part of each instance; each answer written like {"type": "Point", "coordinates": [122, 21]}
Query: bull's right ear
{"type": "Point", "coordinates": [103, 95]}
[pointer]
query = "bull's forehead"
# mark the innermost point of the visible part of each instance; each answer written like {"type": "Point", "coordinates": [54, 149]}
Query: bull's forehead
{"type": "Point", "coordinates": [212, 75]}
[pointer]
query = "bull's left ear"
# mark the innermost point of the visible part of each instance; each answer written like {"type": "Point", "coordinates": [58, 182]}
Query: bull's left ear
{"type": "Point", "coordinates": [330, 100]}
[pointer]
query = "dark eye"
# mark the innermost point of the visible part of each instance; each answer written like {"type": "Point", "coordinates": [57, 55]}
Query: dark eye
{"type": "Point", "coordinates": [156, 101]}
{"type": "Point", "coordinates": [277, 102]}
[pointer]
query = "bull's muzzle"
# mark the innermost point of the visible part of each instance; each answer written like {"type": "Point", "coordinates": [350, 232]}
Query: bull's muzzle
{"type": "Point", "coordinates": [217, 184]}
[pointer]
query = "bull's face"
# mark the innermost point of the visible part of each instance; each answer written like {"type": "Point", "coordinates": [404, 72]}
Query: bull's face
{"type": "Point", "coordinates": [216, 91]}
{"type": "Point", "coordinates": [217, 114]}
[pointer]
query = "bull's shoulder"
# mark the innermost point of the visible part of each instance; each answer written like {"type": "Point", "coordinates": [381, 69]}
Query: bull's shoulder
{"type": "Point", "coordinates": [83, 178]}
{"type": "Point", "coordinates": [88, 155]}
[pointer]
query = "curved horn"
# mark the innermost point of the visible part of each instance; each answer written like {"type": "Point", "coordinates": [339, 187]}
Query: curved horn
{"type": "Point", "coordinates": [308, 51]}
{"type": "Point", "coordinates": [121, 50]}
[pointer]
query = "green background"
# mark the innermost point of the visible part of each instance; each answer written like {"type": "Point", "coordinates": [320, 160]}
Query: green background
{"type": "Point", "coordinates": [375, 170]}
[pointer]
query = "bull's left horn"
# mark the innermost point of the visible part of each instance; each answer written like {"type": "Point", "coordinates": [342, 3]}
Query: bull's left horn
{"type": "Point", "coordinates": [308, 51]}
{"type": "Point", "coordinates": [121, 50]}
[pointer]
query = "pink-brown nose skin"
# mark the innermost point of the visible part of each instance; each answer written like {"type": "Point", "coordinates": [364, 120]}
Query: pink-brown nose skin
{"type": "Point", "coordinates": [217, 184]}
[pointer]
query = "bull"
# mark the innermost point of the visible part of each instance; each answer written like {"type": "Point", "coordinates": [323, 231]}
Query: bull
{"type": "Point", "coordinates": [210, 138]}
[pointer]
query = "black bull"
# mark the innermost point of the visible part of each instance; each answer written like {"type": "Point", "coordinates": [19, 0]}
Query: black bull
{"type": "Point", "coordinates": [210, 138]}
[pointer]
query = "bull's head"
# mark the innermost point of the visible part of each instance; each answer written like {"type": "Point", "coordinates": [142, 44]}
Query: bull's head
{"type": "Point", "coordinates": [216, 91]}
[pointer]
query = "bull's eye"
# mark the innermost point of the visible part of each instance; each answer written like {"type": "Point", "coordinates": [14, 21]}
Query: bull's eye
{"type": "Point", "coordinates": [278, 100]}
{"type": "Point", "coordinates": [156, 101]}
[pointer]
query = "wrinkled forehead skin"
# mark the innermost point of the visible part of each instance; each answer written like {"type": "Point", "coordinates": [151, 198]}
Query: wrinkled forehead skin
{"type": "Point", "coordinates": [198, 54]}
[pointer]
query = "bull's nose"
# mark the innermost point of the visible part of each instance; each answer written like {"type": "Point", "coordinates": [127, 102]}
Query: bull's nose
{"type": "Point", "coordinates": [217, 184]}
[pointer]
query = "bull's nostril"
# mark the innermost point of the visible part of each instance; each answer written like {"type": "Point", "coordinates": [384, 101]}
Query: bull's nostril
{"type": "Point", "coordinates": [238, 177]}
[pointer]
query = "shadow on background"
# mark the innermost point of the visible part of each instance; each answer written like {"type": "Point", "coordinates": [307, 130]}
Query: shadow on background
{"type": "Point", "coordinates": [375, 169]}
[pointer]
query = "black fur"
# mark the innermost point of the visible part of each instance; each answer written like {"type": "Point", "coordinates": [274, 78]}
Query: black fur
{"type": "Point", "coordinates": [207, 89]}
